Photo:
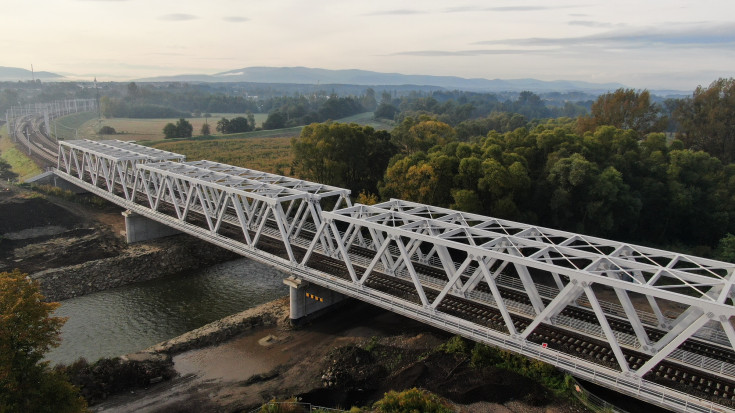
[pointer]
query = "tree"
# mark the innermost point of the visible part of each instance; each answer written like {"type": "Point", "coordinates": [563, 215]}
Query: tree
{"type": "Point", "coordinates": [276, 120]}
{"type": "Point", "coordinates": [368, 100]}
{"type": "Point", "coordinates": [184, 129]}
{"type": "Point", "coordinates": [385, 111]}
{"type": "Point", "coordinates": [238, 125]}
{"type": "Point", "coordinates": [223, 125]}
{"type": "Point", "coordinates": [346, 155]}
{"type": "Point", "coordinates": [170, 131]}
{"type": "Point", "coordinates": [251, 120]}
{"type": "Point", "coordinates": [625, 109]}
{"type": "Point", "coordinates": [707, 120]}
{"type": "Point", "coordinates": [133, 91]}
{"type": "Point", "coordinates": [205, 129]}
{"type": "Point", "coordinates": [27, 332]}
{"type": "Point", "coordinates": [107, 130]}
{"type": "Point", "coordinates": [5, 171]}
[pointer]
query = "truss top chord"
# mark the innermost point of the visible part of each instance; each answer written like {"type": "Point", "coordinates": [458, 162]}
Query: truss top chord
{"type": "Point", "coordinates": [284, 181]}
{"type": "Point", "coordinates": [120, 152]}
{"type": "Point", "coordinates": [223, 181]}
{"type": "Point", "coordinates": [153, 153]}
{"type": "Point", "coordinates": [700, 282]}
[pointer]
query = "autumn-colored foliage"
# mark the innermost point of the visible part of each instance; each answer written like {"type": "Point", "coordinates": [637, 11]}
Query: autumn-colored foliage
{"type": "Point", "coordinates": [27, 332]}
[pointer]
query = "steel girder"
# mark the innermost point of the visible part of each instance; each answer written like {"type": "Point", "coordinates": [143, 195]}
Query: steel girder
{"type": "Point", "coordinates": [472, 251]}
{"type": "Point", "coordinates": [445, 254]}
{"type": "Point", "coordinates": [254, 207]}
{"type": "Point", "coordinates": [335, 196]}
{"type": "Point", "coordinates": [108, 163]}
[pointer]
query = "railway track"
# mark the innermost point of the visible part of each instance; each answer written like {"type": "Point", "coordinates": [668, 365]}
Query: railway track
{"type": "Point", "coordinates": [41, 148]}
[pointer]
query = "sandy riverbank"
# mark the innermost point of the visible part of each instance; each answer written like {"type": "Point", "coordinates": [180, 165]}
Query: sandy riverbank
{"type": "Point", "coordinates": [240, 362]}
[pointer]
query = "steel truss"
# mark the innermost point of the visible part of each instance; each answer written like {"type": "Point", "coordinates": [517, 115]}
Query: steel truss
{"type": "Point", "coordinates": [471, 250]}
{"type": "Point", "coordinates": [443, 254]}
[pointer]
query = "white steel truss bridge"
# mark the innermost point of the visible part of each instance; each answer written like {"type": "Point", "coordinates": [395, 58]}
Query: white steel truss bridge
{"type": "Point", "coordinates": [653, 324]}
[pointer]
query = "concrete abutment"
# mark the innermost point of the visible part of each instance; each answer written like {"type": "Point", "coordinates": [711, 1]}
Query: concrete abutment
{"type": "Point", "coordinates": [139, 228]}
{"type": "Point", "coordinates": [307, 300]}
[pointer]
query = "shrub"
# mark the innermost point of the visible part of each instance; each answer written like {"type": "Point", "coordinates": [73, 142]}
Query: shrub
{"type": "Point", "coordinates": [410, 401]}
{"type": "Point", "coordinates": [107, 130]}
{"type": "Point", "coordinates": [455, 345]}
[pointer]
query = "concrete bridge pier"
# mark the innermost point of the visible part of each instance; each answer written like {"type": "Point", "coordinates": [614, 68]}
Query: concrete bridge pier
{"type": "Point", "coordinates": [139, 228]}
{"type": "Point", "coordinates": [308, 299]}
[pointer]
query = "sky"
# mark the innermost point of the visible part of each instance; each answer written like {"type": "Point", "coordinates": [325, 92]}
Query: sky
{"type": "Point", "coordinates": [643, 44]}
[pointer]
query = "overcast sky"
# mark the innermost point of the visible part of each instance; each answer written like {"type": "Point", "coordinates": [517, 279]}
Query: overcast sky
{"type": "Point", "coordinates": [673, 44]}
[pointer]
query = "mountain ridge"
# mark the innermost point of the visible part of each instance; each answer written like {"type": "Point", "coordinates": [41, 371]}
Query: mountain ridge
{"type": "Point", "coordinates": [304, 75]}
{"type": "Point", "coordinates": [16, 73]}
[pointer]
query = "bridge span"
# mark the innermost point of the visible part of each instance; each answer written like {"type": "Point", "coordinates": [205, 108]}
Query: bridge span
{"type": "Point", "coordinates": [652, 324]}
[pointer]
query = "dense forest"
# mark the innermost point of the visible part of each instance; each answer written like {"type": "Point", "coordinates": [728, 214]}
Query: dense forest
{"type": "Point", "coordinates": [612, 173]}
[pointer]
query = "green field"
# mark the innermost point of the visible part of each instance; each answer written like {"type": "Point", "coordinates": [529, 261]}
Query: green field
{"type": "Point", "coordinates": [19, 162]}
{"type": "Point", "coordinates": [152, 129]}
{"type": "Point", "coordinates": [264, 154]}
{"type": "Point", "coordinates": [73, 126]}
{"type": "Point", "coordinates": [367, 119]}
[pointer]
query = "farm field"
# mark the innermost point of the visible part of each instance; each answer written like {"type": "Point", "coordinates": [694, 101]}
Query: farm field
{"type": "Point", "coordinates": [264, 154]}
{"type": "Point", "coordinates": [152, 129]}
{"type": "Point", "coordinates": [144, 129]}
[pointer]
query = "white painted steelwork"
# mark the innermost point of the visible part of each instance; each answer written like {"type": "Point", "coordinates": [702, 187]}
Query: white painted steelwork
{"type": "Point", "coordinates": [443, 254]}
{"type": "Point", "coordinates": [472, 250]}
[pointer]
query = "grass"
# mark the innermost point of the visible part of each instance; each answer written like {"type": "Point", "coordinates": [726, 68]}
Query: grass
{"type": "Point", "coordinates": [151, 130]}
{"type": "Point", "coordinates": [19, 161]}
{"type": "Point", "coordinates": [264, 154]}
{"type": "Point", "coordinates": [73, 126]}
{"type": "Point", "coordinates": [367, 119]}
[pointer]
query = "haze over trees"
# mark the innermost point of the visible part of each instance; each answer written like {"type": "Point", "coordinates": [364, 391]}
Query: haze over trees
{"type": "Point", "coordinates": [707, 119]}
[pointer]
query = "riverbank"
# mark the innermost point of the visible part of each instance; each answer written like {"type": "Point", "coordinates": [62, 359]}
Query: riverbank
{"type": "Point", "coordinates": [345, 358]}
{"type": "Point", "coordinates": [75, 248]}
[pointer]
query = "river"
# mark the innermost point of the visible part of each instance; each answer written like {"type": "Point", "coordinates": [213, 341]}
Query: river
{"type": "Point", "coordinates": [136, 316]}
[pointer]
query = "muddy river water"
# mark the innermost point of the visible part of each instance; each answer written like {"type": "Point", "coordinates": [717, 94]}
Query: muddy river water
{"type": "Point", "coordinates": [130, 318]}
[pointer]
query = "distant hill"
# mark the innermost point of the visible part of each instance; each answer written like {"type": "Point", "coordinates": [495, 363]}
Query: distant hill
{"type": "Point", "coordinates": [12, 74]}
{"type": "Point", "coordinates": [305, 75]}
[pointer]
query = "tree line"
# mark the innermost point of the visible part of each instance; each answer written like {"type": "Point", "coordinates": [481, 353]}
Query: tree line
{"type": "Point", "coordinates": [613, 173]}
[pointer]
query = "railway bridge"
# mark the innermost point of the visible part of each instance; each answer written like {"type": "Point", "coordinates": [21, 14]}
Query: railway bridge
{"type": "Point", "coordinates": [648, 323]}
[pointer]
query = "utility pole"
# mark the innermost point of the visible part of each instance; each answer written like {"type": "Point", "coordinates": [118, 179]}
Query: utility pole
{"type": "Point", "coordinates": [97, 93]}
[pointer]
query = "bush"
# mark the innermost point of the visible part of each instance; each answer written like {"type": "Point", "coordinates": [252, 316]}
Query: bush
{"type": "Point", "coordinates": [455, 345]}
{"type": "Point", "coordinates": [110, 376]}
{"type": "Point", "coordinates": [107, 130]}
{"type": "Point", "coordinates": [410, 401]}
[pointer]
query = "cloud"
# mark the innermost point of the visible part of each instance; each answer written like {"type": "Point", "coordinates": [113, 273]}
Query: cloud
{"type": "Point", "coordinates": [590, 23]}
{"type": "Point", "coordinates": [396, 12]}
{"type": "Point", "coordinates": [236, 19]}
{"type": "Point", "coordinates": [463, 9]}
{"type": "Point", "coordinates": [475, 52]}
{"type": "Point", "coordinates": [699, 35]}
{"type": "Point", "coordinates": [178, 17]}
